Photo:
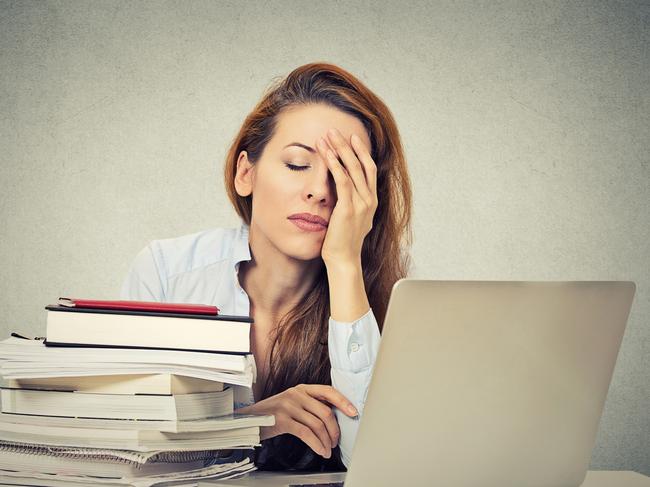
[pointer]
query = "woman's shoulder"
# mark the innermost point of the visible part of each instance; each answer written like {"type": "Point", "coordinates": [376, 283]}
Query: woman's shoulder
{"type": "Point", "coordinates": [199, 249]}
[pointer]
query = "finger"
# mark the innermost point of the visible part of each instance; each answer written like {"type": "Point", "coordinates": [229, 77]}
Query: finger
{"type": "Point", "coordinates": [366, 159]}
{"type": "Point", "coordinates": [306, 434]}
{"type": "Point", "coordinates": [344, 185]}
{"type": "Point", "coordinates": [332, 396]}
{"type": "Point", "coordinates": [350, 161]}
{"type": "Point", "coordinates": [326, 415]}
{"type": "Point", "coordinates": [326, 144]}
{"type": "Point", "coordinates": [315, 425]}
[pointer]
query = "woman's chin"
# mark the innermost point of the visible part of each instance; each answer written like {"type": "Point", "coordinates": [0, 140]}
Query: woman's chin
{"type": "Point", "coordinates": [309, 257]}
{"type": "Point", "coordinates": [307, 254]}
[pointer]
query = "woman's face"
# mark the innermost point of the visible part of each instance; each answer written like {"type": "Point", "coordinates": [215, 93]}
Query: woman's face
{"type": "Point", "coordinates": [289, 178]}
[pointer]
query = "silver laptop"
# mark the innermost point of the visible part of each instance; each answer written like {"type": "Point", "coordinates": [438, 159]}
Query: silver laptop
{"type": "Point", "coordinates": [484, 383]}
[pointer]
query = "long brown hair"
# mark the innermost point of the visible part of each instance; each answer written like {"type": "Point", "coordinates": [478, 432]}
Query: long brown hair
{"type": "Point", "coordinates": [299, 351]}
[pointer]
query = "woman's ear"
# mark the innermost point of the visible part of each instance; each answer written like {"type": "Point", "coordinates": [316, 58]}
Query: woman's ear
{"type": "Point", "coordinates": [244, 178]}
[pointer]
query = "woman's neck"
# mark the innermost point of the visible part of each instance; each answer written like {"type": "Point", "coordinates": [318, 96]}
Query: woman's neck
{"type": "Point", "coordinates": [275, 282]}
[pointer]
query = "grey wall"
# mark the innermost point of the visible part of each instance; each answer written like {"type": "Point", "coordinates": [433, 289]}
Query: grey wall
{"type": "Point", "coordinates": [525, 127]}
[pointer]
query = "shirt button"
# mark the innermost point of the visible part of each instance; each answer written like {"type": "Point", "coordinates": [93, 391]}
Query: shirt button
{"type": "Point", "coordinates": [354, 347]}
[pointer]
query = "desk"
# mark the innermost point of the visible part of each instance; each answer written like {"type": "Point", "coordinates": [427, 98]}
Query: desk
{"type": "Point", "coordinates": [595, 478]}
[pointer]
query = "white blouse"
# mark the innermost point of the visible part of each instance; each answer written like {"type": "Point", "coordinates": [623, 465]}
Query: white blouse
{"type": "Point", "coordinates": [203, 268]}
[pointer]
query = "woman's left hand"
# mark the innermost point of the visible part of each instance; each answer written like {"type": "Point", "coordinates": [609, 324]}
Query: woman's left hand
{"type": "Point", "coordinates": [356, 186]}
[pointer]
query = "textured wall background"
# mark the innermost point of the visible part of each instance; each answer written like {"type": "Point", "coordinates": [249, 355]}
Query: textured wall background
{"type": "Point", "coordinates": [525, 126]}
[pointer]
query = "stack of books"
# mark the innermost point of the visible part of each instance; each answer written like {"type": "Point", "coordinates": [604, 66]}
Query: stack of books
{"type": "Point", "coordinates": [127, 393]}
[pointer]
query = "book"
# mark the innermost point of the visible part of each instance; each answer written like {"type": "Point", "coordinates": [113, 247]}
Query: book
{"type": "Point", "coordinates": [38, 369]}
{"type": "Point", "coordinates": [105, 463]}
{"type": "Point", "coordinates": [129, 439]}
{"type": "Point", "coordinates": [47, 463]}
{"type": "Point", "coordinates": [143, 471]}
{"type": "Point", "coordinates": [22, 358]}
{"type": "Point", "coordinates": [128, 328]}
{"type": "Point", "coordinates": [34, 351]}
{"type": "Point", "coordinates": [119, 406]}
{"type": "Point", "coordinates": [227, 421]}
{"type": "Point", "coordinates": [139, 305]}
{"type": "Point", "coordinates": [119, 384]}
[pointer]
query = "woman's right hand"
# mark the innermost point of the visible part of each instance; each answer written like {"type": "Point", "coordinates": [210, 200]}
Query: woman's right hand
{"type": "Point", "coordinates": [303, 412]}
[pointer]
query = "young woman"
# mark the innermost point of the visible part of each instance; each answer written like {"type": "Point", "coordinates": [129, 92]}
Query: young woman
{"type": "Point", "coordinates": [318, 177]}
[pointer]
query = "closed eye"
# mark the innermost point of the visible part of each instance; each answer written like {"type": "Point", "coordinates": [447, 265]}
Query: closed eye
{"type": "Point", "coordinates": [293, 167]}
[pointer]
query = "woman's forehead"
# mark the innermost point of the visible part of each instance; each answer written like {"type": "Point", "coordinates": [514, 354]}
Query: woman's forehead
{"type": "Point", "coordinates": [306, 124]}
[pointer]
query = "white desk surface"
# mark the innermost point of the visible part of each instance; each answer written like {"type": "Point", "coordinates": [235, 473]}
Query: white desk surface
{"type": "Point", "coordinates": [595, 478]}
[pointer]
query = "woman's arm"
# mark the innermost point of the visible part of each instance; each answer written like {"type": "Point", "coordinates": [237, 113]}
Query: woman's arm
{"type": "Point", "coordinates": [353, 334]}
{"type": "Point", "coordinates": [353, 351]}
{"type": "Point", "coordinates": [348, 299]}
{"type": "Point", "coordinates": [353, 341]}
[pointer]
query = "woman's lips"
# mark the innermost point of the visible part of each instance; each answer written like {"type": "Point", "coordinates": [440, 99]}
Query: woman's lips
{"type": "Point", "coordinates": [309, 226]}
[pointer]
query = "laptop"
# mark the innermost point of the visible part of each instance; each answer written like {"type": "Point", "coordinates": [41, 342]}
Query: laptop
{"type": "Point", "coordinates": [484, 383]}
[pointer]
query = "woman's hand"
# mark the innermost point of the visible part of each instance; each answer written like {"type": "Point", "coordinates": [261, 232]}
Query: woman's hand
{"type": "Point", "coordinates": [301, 411]}
{"type": "Point", "coordinates": [356, 187]}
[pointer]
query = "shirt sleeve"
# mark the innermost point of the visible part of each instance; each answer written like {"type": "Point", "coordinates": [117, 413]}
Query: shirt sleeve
{"type": "Point", "coordinates": [352, 350]}
{"type": "Point", "coordinates": [144, 281]}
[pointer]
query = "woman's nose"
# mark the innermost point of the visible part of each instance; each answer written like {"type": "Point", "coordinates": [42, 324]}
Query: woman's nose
{"type": "Point", "coordinates": [321, 185]}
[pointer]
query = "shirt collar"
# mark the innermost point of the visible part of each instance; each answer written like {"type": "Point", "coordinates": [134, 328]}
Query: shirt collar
{"type": "Point", "coordinates": [242, 250]}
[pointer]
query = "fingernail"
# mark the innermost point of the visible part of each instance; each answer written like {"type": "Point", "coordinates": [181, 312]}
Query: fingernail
{"type": "Point", "coordinates": [352, 409]}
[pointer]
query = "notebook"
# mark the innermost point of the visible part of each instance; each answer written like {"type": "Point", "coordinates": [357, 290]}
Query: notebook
{"type": "Point", "coordinates": [485, 383]}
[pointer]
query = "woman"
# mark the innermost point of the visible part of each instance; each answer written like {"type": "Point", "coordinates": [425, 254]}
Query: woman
{"type": "Point", "coordinates": [324, 236]}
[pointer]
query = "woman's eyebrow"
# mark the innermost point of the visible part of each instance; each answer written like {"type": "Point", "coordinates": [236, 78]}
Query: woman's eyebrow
{"type": "Point", "coordinates": [298, 144]}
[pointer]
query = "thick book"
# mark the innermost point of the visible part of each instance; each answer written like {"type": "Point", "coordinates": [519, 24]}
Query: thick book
{"type": "Point", "coordinates": [16, 370]}
{"type": "Point", "coordinates": [119, 384]}
{"type": "Point", "coordinates": [102, 462]}
{"type": "Point", "coordinates": [28, 475]}
{"type": "Point", "coordinates": [22, 358]}
{"type": "Point", "coordinates": [220, 423]}
{"type": "Point", "coordinates": [177, 407]}
{"type": "Point", "coordinates": [47, 463]}
{"type": "Point", "coordinates": [27, 352]}
{"type": "Point", "coordinates": [129, 439]}
{"type": "Point", "coordinates": [130, 328]}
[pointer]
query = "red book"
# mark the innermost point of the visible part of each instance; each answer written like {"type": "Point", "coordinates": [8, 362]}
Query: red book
{"type": "Point", "coordinates": [202, 309]}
